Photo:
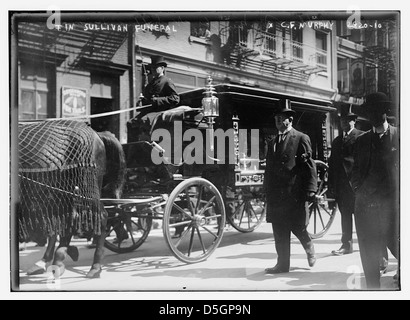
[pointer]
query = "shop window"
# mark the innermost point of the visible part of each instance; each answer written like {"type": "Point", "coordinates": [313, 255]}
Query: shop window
{"type": "Point", "coordinates": [183, 79]}
{"type": "Point", "coordinates": [321, 46]}
{"type": "Point", "coordinates": [184, 82]}
{"type": "Point", "coordinates": [33, 105]}
{"type": "Point", "coordinates": [357, 36]}
{"type": "Point", "coordinates": [342, 30]}
{"type": "Point", "coordinates": [297, 44]}
{"type": "Point", "coordinates": [202, 82]}
{"type": "Point", "coordinates": [354, 35]}
{"type": "Point", "coordinates": [26, 110]}
{"type": "Point", "coordinates": [285, 36]}
{"type": "Point", "coordinates": [33, 91]}
{"type": "Point", "coordinates": [321, 40]}
{"type": "Point", "coordinates": [270, 40]}
{"type": "Point", "coordinates": [369, 37]}
{"type": "Point", "coordinates": [200, 29]}
{"type": "Point", "coordinates": [343, 83]}
{"type": "Point", "coordinates": [241, 33]}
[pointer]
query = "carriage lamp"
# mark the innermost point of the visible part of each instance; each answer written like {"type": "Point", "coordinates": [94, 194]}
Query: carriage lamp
{"type": "Point", "coordinates": [210, 106]}
{"type": "Point", "coordinates": [210, 103]}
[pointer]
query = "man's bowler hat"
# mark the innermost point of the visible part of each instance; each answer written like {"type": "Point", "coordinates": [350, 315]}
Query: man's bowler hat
{"type": "Point", "coordinates": [376, 103]}
{"type": "Point", "coordinates": [347, 114]}
{"type": "Point", "coordinates": [157, 61]}
{"type": "Point", "coordinates": [284, 108]}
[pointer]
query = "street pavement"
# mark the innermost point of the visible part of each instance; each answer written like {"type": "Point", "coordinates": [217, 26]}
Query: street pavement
{"type": "Point", "coordinates": [237, 265]}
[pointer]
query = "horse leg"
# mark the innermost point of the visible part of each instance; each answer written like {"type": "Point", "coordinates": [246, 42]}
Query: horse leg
{"type": "Point", "coordinates": [62, 251]}
{"type": "Point", "coordinates": [96, 268]}
{"type": "Point", "coordinates": [41, 266]}
{"type": "Point", "coordinates": [72, 251]}
{"type": "Point", "coordinates": [59, 257]}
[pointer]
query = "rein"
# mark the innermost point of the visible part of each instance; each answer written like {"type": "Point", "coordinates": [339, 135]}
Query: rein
{"type": "Point", "coordinates": [56, 189]}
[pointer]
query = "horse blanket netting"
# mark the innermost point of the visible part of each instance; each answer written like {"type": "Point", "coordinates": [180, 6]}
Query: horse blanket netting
{"type": "Point", "coordinates": [58, 180]}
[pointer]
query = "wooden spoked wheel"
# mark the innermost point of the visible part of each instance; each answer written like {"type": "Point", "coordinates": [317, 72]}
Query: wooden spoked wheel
{"type": "Point", "coordinates": [127, 230]}
{"type": "Point", "coordinates": [322, 210]}
{"type": "Point", "coordinates": [246, 209]}
{"type": "Point", "coordinates": [194, 220]}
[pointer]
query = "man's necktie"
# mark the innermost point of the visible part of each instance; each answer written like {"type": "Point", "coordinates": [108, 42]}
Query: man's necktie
{"type": "Point", "coordinates": [279, 142]}
{"type": "Point", "coordinates": [383, 134]}
{"type": "Point", "coordinates": [282, 137]}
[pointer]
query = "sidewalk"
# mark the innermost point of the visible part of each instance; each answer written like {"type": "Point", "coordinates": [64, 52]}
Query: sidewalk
{"type": "Point", "coordinates": [237, 265]}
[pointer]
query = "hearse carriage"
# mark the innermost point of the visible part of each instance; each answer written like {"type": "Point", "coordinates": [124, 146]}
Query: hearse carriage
{"type": "Point", "coordinates": [202, 166]}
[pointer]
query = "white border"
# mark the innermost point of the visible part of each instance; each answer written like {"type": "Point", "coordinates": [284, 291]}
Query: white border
{"type": "Point", "coordinates": [210, 5]}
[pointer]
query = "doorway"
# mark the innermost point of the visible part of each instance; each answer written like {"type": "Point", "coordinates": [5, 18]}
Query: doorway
{"type": "Point", "coordinates": [106, 123]}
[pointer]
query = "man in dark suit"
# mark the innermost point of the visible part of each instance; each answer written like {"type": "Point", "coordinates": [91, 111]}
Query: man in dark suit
{"type": "Point", "coordinates": [340, 170]}
{"type": "Point", "coordinates": [375, 181]}
{"type": "Point", "coordinates": [159, 95]}
{"type": "Point", "coordinates": [161, 91]}
{"type": "Point", "coordinates": [290, 181]}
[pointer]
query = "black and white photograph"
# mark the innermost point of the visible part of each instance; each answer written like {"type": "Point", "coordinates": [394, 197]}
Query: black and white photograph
{"type": "Point", "coordinates": [206, 151]}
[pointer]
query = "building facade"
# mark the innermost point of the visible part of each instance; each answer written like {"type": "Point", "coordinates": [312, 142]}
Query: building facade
{"type": "Point", "coordinates": [87, 68]}
{"type": "Point", "coordinates": [74, 70]}
{"type": "Point", "coordinates": [289, 57]}
{"type": "Point", "coordinates": [269, 55]}
{"type": "Point", "coordinates": [367, 62]}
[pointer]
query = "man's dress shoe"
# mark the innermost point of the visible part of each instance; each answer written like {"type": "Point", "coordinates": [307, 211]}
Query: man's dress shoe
{"type": "Point", "coordinates": [276, 269]}
{"type": "Point", "coordinates": [342, 251]}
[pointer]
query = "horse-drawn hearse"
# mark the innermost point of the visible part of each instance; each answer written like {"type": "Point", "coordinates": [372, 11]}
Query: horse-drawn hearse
{"type": "Point", "coordinates": [213, 171]}
{"type": "Point", "coordinates": [195, 168]}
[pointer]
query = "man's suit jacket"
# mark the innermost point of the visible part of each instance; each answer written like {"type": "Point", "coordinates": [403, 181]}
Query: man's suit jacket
{"type": "Point", "coordinates": [377, 213]}
{"type": "Point", "coordinates": [341, 161]}
{"type": "Point", "coordinates": [289, 175]}
{"type": "Point", "coordinates": [362, 156]}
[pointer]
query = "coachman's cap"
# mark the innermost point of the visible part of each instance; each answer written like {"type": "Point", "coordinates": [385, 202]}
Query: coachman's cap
{"type": "Point", "coordinates": [157, 61]}
{"type": "Point", "coordinates": [284, 108]}
{"type": "Point", "coordinates": [376, 103]}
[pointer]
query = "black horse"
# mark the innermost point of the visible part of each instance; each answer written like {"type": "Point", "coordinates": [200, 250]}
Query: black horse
{"type": "Point", "coordinates": [65, 168]}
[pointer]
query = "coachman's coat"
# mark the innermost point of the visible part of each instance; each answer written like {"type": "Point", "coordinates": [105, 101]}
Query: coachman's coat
{"type": "Point", "coordinates": [289, 175]}
{"type": "Point", "coordinates": [162, 93]}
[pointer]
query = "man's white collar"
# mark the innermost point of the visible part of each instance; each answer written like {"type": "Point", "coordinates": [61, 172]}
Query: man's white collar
{"type": "Point", "coordinates": [286, 130]}
{"type": "Point", "coordinates": [381, 129]}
